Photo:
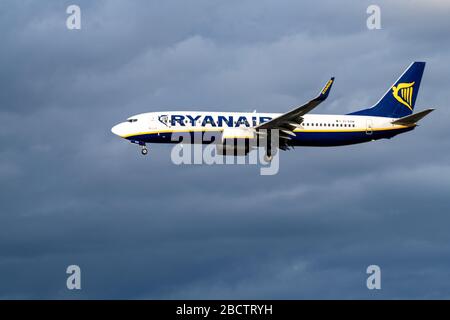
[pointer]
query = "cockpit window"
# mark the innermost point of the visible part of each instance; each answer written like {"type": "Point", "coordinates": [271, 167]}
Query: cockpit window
{"type": "Point", "coordinates": [132, 120]}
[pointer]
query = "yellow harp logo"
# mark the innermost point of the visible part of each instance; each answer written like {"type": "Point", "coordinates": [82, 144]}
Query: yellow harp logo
{"type": "Point", "coordinates": [403, 92]}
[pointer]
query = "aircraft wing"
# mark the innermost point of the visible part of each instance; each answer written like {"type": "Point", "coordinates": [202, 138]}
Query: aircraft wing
{"type": "Point", "coordinates": [287, 122]}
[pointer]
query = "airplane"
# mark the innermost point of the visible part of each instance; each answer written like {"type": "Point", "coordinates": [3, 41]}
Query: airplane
{"type": "Point", "coordinates": [393, 114]}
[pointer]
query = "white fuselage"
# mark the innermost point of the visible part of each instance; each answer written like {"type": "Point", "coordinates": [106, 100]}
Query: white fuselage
{"type": "Point", "coordinates": [315, 129]}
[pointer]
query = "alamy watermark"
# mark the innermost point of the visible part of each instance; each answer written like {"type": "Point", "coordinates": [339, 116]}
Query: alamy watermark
{"type": "Point", "coordinates": [223, 148]}
{"type": "Point", "coordinates": [74, 280]}
{"type": "Point", "coordinates": [374, 279]}
{"type": "Point", "coordinates": [374, 20]}
{"type": "Point", "coordinates": [73, 21]}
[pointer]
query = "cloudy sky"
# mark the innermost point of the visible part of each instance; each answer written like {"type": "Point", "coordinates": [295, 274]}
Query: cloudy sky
{"type": "Point", "coordinates": [141, 227]}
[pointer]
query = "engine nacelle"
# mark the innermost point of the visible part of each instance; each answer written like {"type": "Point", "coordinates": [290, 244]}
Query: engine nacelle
{"type": "Point", "coordinates": [238, 133]}
{"type": "Point", "coordinates": [236, 141]}
{"type": "Point", "coordinates": [233, 148]}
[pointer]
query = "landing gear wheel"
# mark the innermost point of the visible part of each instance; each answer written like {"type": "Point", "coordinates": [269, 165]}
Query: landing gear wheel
{"type": "Point", "coordinates": [144, 151]}
{"type": "Point", "coordinates": [268, 158]}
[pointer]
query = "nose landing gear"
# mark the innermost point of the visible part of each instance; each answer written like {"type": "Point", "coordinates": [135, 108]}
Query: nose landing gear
{"type": "Point", "coordinates": [144, 150]}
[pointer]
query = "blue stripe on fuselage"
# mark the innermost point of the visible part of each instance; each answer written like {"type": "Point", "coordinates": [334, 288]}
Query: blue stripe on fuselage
{"type": "Point", "coordinates": [330, 139]}
{"type": "Point", "coordinates": [302, 138]}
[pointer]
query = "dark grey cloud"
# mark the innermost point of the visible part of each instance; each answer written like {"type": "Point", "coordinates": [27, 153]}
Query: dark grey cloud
{"type": "Point", "coordinates": [72, 193]}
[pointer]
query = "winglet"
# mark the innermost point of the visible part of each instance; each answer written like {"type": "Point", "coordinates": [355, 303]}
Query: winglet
{"type": "Point", "coordinates": [326, 90]}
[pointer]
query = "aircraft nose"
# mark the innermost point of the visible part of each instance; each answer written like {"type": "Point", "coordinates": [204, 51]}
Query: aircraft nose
{"type": "Point", "coordinates": [118, 130]}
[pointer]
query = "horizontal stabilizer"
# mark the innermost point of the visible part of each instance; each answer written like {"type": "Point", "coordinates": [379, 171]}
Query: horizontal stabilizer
{"type": "Point", "coordinates": [413, 118]}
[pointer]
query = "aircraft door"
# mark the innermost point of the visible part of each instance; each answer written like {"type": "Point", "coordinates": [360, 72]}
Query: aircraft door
{"type": "Point", "coordinates": [152, 124]}
{"type": "Point", "coordinates": [369, 127]}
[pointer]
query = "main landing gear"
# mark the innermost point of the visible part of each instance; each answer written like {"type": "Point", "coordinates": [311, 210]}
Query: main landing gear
{"type": "Point", "coordinates": [268, 157]}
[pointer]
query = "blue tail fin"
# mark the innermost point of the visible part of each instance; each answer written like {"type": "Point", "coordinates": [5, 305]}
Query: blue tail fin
{"type": "Point", "coordinates": [399, 100]}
